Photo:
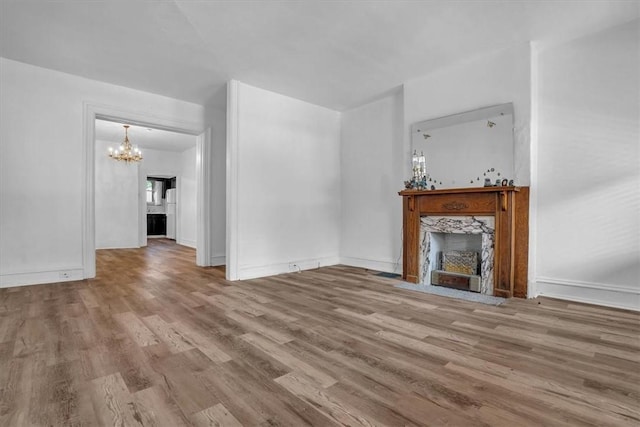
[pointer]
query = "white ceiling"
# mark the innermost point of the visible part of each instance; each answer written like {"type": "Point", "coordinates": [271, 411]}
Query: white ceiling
{"type": "Point", "coordinates": [144, 137]}
{"type": "Point", "coordinates": [336, 54]}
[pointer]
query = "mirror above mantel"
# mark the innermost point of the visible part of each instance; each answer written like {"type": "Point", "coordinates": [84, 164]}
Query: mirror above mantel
{"type": "Point", "coordinates": [463, 150]}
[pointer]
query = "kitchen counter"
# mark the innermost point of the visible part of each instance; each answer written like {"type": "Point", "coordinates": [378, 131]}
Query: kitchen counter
{"type": "Point", "coordinates": [152, 210]}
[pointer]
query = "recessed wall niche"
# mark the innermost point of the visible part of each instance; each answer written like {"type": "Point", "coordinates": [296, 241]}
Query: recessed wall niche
{"type": "Point", "coordinates": [463, 150]}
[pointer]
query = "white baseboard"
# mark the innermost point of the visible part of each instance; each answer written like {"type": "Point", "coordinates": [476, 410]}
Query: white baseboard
{"type": "Point", "coordinates": [40, 277]}
{"type": "Point", "coordinates": [370, 264]}
{"type": "Point", "coordinates": [119, 247]}
{"type": "Point", "coordinates": [218, 260]}
{"type": "Point", "coordinates": [189, 243]}
{"type": "Point", "coordinates": [591, 293]}
{"type": "Point", "coordinates": [245, 273]}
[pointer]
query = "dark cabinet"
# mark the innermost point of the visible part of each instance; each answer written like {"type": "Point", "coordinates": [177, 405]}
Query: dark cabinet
{"type": "Point", "coordinates": [156, 224]}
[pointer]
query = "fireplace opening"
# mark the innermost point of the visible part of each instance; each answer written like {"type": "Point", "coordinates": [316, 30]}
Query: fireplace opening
{"type": "Point", "coordinates": [457, 261]}
{"type": "Point", "coordinates": [457, 252]}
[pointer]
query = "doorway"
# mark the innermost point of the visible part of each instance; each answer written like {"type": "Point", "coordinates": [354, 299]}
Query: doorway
{"type": "Point", "coordinates": [161, 207]}
{"type": "Point", "coordinates": [202, 174]}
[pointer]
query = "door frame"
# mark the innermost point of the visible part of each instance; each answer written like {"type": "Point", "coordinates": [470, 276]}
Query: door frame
{"type": "Point", "coordinates": [91, 112]}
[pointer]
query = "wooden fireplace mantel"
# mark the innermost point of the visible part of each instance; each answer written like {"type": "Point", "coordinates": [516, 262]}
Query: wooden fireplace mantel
{"type": "Point", "coordinates": [509, 206]}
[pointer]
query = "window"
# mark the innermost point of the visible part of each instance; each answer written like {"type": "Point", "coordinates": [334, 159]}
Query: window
{"type": "Point", "coordinates": [155, 190]}
{"type": "Point", "coordinates": [149, 192]}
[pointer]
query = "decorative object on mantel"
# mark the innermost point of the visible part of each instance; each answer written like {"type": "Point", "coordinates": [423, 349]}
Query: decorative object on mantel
{"type": "Point", "coordinates": [500, 181]}
{"type": "Point", "coordinates": [420, 179]}
{"type": "Point", "coordinates": [419, 165]}
{"type": "Point", "coordinates": [126, 152]}
{"type": "Point", "coordinates": [417, 184]}
{"type": "Point", "coordinates": [419, 168]}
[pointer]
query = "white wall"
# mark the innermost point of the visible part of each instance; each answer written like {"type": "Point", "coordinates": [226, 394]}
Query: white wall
{"type": "Point", "coordinates": [372, 172]}
{"type": "Point", "coordinates": [285, 183]}
{"type": "Point", "coordinates": [41, 165]}
{"type": "Point", "coordinates": [588, 209]}
{"type": "Point", "coordinates": [482, 81]}
{"type": "Point", "coordinates": [117, 206]}
{"type": "Point", "coordinates": [186, 226]}
{"type": "Point", "coordinates": [161, 162]}
{"type": "Point", "coordinates": [219, 188]}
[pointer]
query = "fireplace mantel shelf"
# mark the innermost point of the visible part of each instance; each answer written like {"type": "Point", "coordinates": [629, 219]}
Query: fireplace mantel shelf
{"type": "Point", "coordinates": [459, 190]}
{"type": "Point", "coordinates": [508, 205]}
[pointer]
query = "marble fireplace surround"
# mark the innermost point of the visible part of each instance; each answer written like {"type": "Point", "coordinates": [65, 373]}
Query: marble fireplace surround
{"type": "Point", "coordinates": [483, 225]}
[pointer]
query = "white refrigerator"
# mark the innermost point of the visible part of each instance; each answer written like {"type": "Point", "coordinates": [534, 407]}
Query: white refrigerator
{"type": "Point", "coordinates": [171, 213]}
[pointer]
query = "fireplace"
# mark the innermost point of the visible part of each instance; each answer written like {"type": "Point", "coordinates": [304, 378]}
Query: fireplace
{"type": "Point", "coordinates": [439, 222]}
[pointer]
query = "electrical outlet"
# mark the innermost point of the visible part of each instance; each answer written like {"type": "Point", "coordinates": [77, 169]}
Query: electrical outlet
{"type": "Point", "coordinates": [294, 267]}
{"type": "Point", "coordinates": [65, 274]}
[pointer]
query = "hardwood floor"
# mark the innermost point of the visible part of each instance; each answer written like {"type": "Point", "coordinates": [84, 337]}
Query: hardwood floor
{"type": "Point", "coordinates": [154, 340]}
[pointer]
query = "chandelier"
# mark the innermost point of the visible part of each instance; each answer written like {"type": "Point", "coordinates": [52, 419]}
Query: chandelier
{"type": "Point", "coordinates": [126, 152]}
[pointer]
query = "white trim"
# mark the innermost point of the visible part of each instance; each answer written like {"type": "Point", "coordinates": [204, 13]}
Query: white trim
{"type": "Point", "coordinates": [142, 208]}
{"type": "Point", "coordinates": [588, 292]}
{"type": "Point", "coordinates": [178, 218]}
{"type": "Point", "coordinates": [233, 137]}
{"type": "Point", "coordinates": [189, 243]}
{"type": "Point", "coordinates": [203, 198]}
{"type": "Point", "coordinates": [217, 260]}
{"type": "Point", "coordinates": [88, 191]}
{"type": "Point", "coordinates": [41, 277]}
{"type": "Point", "coordinates": [370, 264]}
{"type": "Point", "coordinates": [93, 111]}
{"type": "Point", "coordinates": [120, 247]}
{"type": "Point", "coordinates": [533, 168]}
{"type": "Point", "coordinates": [591, 285]}
{"type": "Point", "coordinates": [255, 272]}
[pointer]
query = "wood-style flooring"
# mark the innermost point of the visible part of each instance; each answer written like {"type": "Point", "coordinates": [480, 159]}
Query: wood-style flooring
{"type": "Point", "coordinates": [155, 340]}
